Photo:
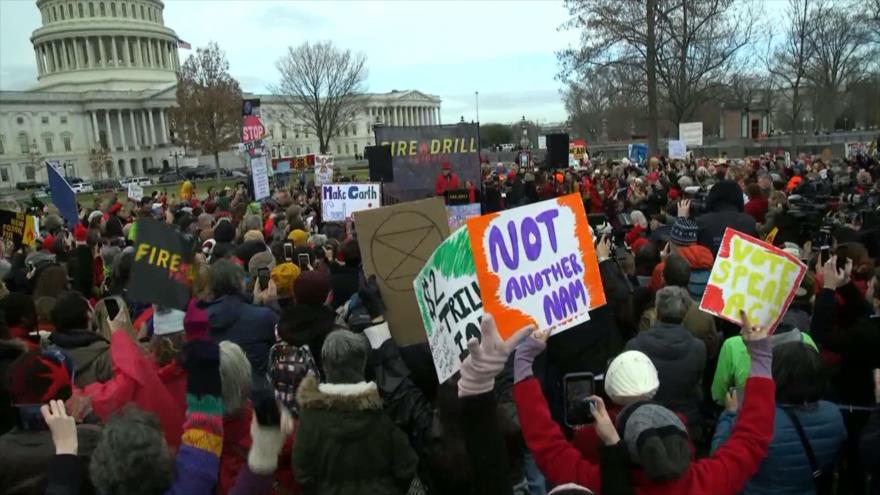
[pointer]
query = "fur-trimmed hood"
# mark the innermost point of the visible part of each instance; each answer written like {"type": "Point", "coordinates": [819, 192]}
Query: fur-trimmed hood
{"type": "Point", "coordinates": [362, 396]}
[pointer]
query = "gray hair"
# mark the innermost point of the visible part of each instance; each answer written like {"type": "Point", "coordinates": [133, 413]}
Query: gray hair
{"type": "Point", "coordinates": [252, 222]}
{"type": "Point", "coordinates": [131, 456]}
{"type": "Point", "coordinates": [684, 181]}
{"type": "Point", "coordinates": [226, 278]}
{"type": "Point", "coordinates": [235, 377]}
{"type": "Point", "coordinates": [344, 357]}
{"type": "Point", "coordinates": [672, 303]}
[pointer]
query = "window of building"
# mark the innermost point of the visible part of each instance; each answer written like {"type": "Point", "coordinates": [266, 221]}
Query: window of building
{"type": "Point", "coordinates": [298, 150]}
{"type": "Point", "coordinates": [102, 9]}
{"type": "Point", "coordinates": [113, 10]}
{"type": "Point", "coordinates": [20, 121]}
{"type": "Point", "coordinates": [296, 133]}
{"type": "Point", "coordinates": [66, 140]}
{"type": "Point", "coordinates": [308, 150]}
{"type": "Point", "coordinates": [91, 9]}
{"type": "Point", "coordinates": [48, 141]}
{"type": "Point", "coordinates": [2, 149]}
{"type": "Point", "coordinates": [44, 119]}
{"type": "Point", "coordinates": [70, 10]}
{"type": "Point", "coordinates": [354, 130]}
{"type": "Point", "coordinates": [30, 173]}
{"type": "Point", "coordinates": [63, 119]}
{"type": "Point", "coordinates": [284, 132]}
{"type": "Point", "coordinates": [346, 132]}
{"type": "Point", "coordinates": [338, 149]}
{"type": "Point", "coordinates": [23, 143]}
{"type": "Point", "coordinates": [124, 10]}
{"type": "Point", "coordinates": [61, 12]}
{"type": "Point", "coordinates": [79, 10]}
{"type": "Point", "coordinates": [142, 12]}
{"type": "Point", "coordinates": [4, 174]}
{"type": "Point", "coordinates": [306, 133]}
{"type": "Point", "coordinates": [346, 148]}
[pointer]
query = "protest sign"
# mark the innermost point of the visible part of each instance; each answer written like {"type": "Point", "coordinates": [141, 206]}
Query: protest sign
{"type": "Point", "coordinates": [62, 194]}
{"type": "Point", "coordinates": [457, 196]}
{"type": "Point", "coordinates": [417, 153]}
{"type": "Point", "coordinates": [691, 133]}
{"type": "Point", "coordinates": [677, 150]}
{"type": "Point", "coordinates": [340, 201]}
{"type": "Point", "coordinates": [323, 169]}
{"type": "Point", "coordinates": [753, 276]}
{"type": "Point", "coordinates": [260, 175]}
{"type": "Point", "coordinates": [449, 302]}
{"type": "Point", "coordinates": [536, 265]}
{"type": "Point", "coordinates": [459, 214]}
{"type": "Point", "coordinates": [637, 153]}
{"type": "Point", "coordinates": [135, 192]}
{"type": "Point", "coordinates": [161, 272]}
{"type": "Point", "coordinates": [396, 242]}
{"type": "Point", "coordinates": [18, 228]}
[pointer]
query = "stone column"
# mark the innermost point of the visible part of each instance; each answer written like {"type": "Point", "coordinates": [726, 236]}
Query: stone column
{"type": "Point", "coordinates": [162, 126]}
{"type": "Point", "coordinates": [59, 51]}
{"type": "Point", "coordinates": [138, 55]}
{"type": "Point", "coordinates": [144, 122]}
{"type": "Point", "coordinates": [152, 127]}
{"type": "Point", "coordinates": [95, 131]}
{"type": "Point", "coordinates": [153, 55]}
{"type": "Point", "coordinates": [39, 62]}
{"type": "Point", "coordinates": [121, 130]}
{"type": "Point", "coordinates": [126, 54]}
{"type": "Point", "coordinates": [102, 51]}
{"type": "Point", "coordinates": [76, 57]}
{"type": "Point", "coordinates": [114, 51]}
{"type": "Point", "coordinates": [90, 51]}
{"type": "Point", "coordinates": [110, 142]}
{"type": "Point", "coordinates": [134, 133]}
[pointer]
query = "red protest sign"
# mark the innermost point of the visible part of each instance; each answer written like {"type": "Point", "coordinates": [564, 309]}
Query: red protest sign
{"type": "Point", "coordinates": [753, 276]}
{"type": "Point", "coordinates": [252, 129]}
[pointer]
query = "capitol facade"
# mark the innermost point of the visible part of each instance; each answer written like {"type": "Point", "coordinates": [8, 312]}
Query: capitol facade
{"type": "Point", "coordinates": [107, 74]}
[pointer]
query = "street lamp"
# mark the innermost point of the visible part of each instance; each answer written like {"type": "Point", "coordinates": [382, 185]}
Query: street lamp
{"type": "Point", "coordinates": [177, 153]}
{"type": "Point", "coordinates": [524, 140]}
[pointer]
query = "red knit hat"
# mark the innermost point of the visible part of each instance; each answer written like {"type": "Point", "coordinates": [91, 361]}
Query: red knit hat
{"type": "Point", "coordinates": [49, 243]}
{"type": "Point", "coordinates": [80, 232]}
{"type": "Point", "coordinates": [446, 166]}
{"type": "Point", "coordinates": [35, 378]}
{"type": "Point", "coordinates": [195, 323]}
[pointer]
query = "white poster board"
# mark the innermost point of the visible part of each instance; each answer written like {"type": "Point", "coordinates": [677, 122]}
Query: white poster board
{"type": "Point", "coordinates": [323, 169]}
{"type": "Point", "coordinates": [135, 192]}
{"type": "Point", "coordinates": [260, 174]}
{"type": "Point", "coordinates": [542, 142]}
{"type": "Point", "coordinates": [677, 150]}
{"type": "Point", "coordinates": [691, 133]}
{"type": "Point", "coordinates": [340, 201]}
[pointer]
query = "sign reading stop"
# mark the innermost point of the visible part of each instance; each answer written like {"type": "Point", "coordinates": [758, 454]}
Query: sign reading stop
{"type": "Point", "coordinates": [252, 129]}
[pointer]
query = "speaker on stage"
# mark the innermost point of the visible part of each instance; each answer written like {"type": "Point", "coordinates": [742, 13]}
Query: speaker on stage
{"type": "Point", "coordinates": [379, 158]}
{"type": "Point", "coordinates": [557, 151]}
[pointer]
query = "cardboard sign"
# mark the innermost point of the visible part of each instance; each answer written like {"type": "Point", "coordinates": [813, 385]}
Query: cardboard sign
{"type": "Point", "coordinates": [753, 276]}
{"type": "Point", "coordinates": [135, 192]}
{"type": "Point", "coordinates": [340, 201]}
{"type": "Point", "coordinates": [536, 265]}
{"type": "Point", "coordinates": [161, 271]}
{"type": "Point", "coordinates": [18, 228]}
{"type": "Point", "coordinates": [448, 296]}
{"type": "Point", "coordinates": [260, 175]}
{"type": "Point", "coordinates": [459, 214]}
{"type": "Point", "coordinates": [396, 242]}
{"type": "Point", "coordinates": [677, 150]}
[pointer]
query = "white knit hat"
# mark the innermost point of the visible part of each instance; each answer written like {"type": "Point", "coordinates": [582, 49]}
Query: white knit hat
{"type": "Point", "coordinates": [167, 321]}
{"type": "Point", "coordinates": [631, 375]}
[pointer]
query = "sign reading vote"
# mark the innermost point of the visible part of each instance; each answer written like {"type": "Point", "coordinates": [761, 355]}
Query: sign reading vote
{"type": "Point", "coordinates": [536, 265]}
{"type": "Point", "coordinates": [340, 201]}
{"type": "Point", "coordinates": [449, 301]}
{"type": "Point", "coordinates": [752, 276]}
{"type": "Point", "coordinates": [161, 272]}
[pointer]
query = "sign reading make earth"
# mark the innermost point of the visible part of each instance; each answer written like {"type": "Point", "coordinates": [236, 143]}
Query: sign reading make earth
{"type": "Point", "coordinates": [340, 201]}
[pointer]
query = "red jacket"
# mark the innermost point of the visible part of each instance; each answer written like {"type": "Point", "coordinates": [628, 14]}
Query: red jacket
{"type": "Point", "coordinates": [136, 379]}
{"type": "Point", "coordinates": [236, 444]}
{"type": "Point", "coordinates": [444, 183]}
{"type": "Point", "coordinates": [757, 208]}
{"type": "Point", "coordinates": [173, 376]}
{"type": "Point", "coordinates": [725, 472]}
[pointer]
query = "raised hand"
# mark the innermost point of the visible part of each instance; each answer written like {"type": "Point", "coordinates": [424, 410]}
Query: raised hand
{"type": "Point", "coordinates": [62, 426]}
{"type": "Point", "coordinates": [487, 357]}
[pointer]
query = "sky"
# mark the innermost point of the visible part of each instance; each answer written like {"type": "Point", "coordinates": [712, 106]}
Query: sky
{"type": "Point", "coordinates": [504, 50]}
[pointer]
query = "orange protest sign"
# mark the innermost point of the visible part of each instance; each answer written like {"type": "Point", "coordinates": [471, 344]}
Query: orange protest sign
{"type": "Point", "coordinates": [536, 265]}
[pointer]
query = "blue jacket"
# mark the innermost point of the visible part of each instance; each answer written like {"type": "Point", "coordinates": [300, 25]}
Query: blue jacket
{"type": "Point", "coordinates": [251, 327]}
{"type": "Point", "coordinates": [786, 469]}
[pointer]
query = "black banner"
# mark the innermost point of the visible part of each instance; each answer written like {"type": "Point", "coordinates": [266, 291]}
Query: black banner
{"type": "Point", "coordinates": [161, 273]}
{"type": "Point", "coordinates": [417, 154]}
{"type": "Point", "coordinates": [17, 228]}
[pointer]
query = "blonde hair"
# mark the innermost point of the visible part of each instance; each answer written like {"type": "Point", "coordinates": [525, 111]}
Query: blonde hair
{"type": "Point", "coordinates": [102, 318]}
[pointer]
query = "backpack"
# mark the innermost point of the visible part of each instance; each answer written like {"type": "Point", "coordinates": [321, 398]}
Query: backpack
{"type": "Point", "coordinates": [288, 366]}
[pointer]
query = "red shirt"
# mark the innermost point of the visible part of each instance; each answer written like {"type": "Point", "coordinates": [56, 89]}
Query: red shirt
{"type": "Point", "coordinates": [445, 183]}
{"type": "Point", "coordinates": [757, 208]}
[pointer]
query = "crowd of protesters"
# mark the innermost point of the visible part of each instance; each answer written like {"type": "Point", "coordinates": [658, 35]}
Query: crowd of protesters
{"type": "Point", "coordinates": [281, 376]}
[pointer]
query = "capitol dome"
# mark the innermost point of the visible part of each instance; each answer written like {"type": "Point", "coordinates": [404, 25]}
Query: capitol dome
{"type": "Point", "coordinates": [101, 45]}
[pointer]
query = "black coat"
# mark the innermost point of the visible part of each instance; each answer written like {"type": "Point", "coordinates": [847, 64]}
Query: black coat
{"type": "Point", "coordinates": [10, 350]}
{"type": "Point", "coordinates": [712, 226]}
{"type": "Point", "coordinates": [343, 282]}
{"type": "Point", "coordinates": [251, 327]}
{"type": "Point", "coordinates": [303, 324]}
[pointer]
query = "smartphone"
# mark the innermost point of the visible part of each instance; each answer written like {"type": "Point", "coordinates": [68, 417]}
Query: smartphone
{"type": "Point", "coordinates": [30, 418]}
{"type": "Point", "coordinates": [288, 251]}
{"type": "Point", "coordinates": [266, 408]}
{"type": "Point", "coordinates": [112, 306]}
{"type": "Point", "coordinates": [303, 261]}
{"type": "Point", "coordinates": [577, 388]}
{"type": "Point", "coordinates": [826, 254]}
{"type": "Point", "coordinates": [263, 278]}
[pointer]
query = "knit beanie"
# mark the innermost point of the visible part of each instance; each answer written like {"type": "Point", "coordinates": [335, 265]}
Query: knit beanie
{"type": "Point", "coordinates": [656, 439]}
{"type": "Point", "coordinates": [253, 235]}
{"type": "Point", "coordinates": [261, 260]}
{"type": "Point", "coordinates": [167, 321]}
{"type": "Point", "coordinates": [284, 275]}
{"type": "Point", "coordinates": [224, 231]}
{"type": "Point", "coordinates": [195, 322]}
{"type": "Point", "coordinates": [631, 376]}
{"type": "Point", "coordinates": [80, 232]}
{"type": "Point", "coordinates": [38, 377]}
{"type": "Point", "coordinates": [312, 288]}
{"type": "Point", "coordinates": [298, 237]}
{"type": "Point", "coordinates": [684, 232]}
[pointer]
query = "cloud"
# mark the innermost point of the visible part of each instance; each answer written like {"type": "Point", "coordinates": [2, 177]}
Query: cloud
{"type": "Point", "coordinates": [290, 17]}
{"type": "Point", "coordinates": [17, 77]}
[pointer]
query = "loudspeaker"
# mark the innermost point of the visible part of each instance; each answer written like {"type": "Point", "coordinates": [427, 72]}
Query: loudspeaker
{"type": "Point", "coordinates": [557, 151]}
{"type": "Point", "coordinates": [379, 158]}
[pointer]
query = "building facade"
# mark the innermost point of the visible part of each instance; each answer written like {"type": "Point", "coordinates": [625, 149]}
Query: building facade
{"type": "Point", "coordinates": [106, 80]}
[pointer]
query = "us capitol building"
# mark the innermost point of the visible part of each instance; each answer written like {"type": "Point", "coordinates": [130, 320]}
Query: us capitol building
{"type": "Point", "coordinates": [106, 78]}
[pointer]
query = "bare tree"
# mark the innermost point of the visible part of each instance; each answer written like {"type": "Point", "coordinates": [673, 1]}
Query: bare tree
{"type": "Point", "coordinates": [322, 86]}
{"type": "Point", "coordinates": [843, 54]}
{"type": "Point", "coordinates": [700, 42]}
{"type": "Point", "coordinates": [605, 100]}
{"type": "Point", "coordinates": [616, 33]}
{"type": "Point", "coordinates": [208, 112]}
{"type": "Point", "coordinates": [790, 60]}
{"type": "Point", "coordinates": [99, 158]}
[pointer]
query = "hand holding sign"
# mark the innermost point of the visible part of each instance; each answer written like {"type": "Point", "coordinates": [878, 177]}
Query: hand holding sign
{"type": "Point", "coordinates": [487, 358]}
